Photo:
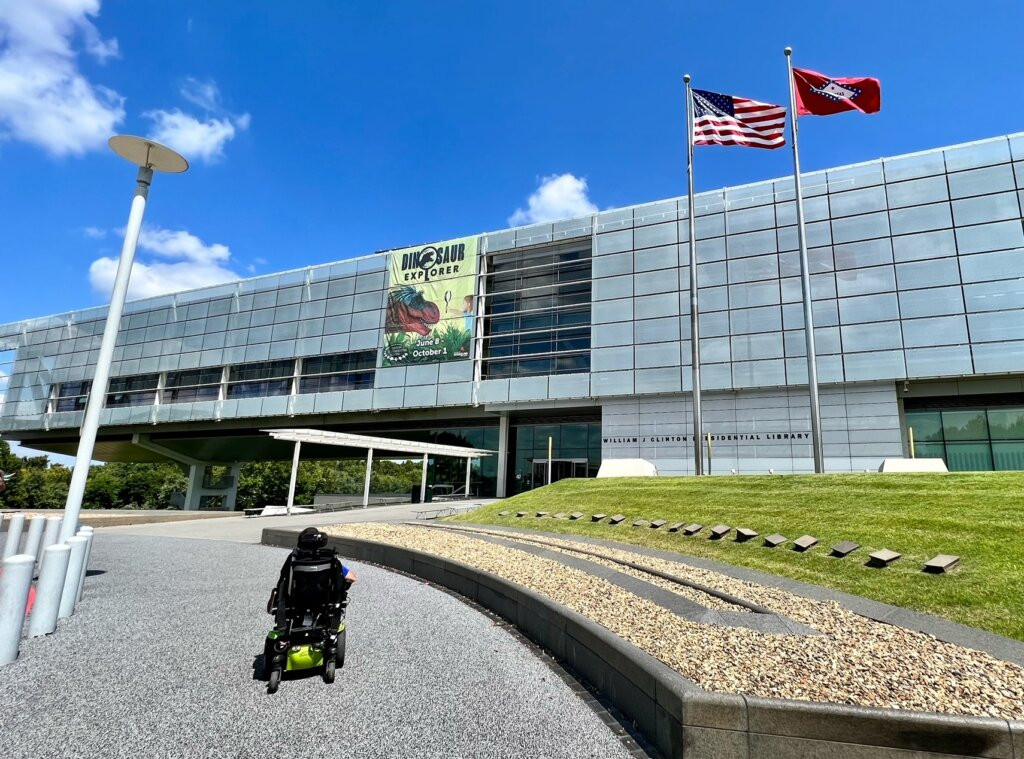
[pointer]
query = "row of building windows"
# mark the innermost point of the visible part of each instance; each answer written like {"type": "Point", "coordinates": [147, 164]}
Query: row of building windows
{"type": "Point", "coordinates": [319, 374]}
{"type": "Point", "coordinates": [970, 439]}
{"type": "Point", "coordinates": [537, 311]}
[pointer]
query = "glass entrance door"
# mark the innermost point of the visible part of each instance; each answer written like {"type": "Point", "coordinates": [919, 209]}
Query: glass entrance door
{"type": "Point", "coordinates": [560, 469]}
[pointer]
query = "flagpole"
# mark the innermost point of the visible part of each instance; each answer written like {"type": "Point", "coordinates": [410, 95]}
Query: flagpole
{"type": "Point", "coordinates": [805, 280]}
{"type": "Point", "coordinates": [698, 453]}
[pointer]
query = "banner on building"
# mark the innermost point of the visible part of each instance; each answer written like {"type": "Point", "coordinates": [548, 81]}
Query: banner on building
{"type": "Point", "coordinates": [431, 303]}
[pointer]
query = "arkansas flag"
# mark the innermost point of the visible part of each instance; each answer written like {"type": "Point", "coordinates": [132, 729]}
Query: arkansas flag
{"type": "Point", "coordinates": [820, 95]}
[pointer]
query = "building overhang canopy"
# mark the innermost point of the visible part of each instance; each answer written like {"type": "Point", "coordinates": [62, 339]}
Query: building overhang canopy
{"type": "Point", "coordinates": [366, 442]}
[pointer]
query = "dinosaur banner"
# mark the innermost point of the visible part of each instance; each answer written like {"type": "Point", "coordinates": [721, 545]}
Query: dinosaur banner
{"type": "Point", "coordinates": [431, 303]}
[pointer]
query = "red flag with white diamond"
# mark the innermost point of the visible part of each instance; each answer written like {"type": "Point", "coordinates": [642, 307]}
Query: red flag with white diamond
{"type": "Point", "coordinates": [820, 95]}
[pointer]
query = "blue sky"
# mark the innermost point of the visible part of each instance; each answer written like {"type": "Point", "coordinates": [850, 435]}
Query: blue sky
{"type": "Point", "coordinates": [321, 130]}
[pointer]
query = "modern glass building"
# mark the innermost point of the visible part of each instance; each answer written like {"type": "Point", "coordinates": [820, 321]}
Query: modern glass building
{"type": "Point", "coordinates": [577, 332]}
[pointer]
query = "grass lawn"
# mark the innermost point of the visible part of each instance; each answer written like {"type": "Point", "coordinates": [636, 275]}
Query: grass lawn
{"type": "Point", "coordinates": [977, 516]}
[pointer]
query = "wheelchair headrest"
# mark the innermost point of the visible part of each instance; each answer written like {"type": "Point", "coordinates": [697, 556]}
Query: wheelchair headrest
{"type": "Point", "coordinates": [311, 539]}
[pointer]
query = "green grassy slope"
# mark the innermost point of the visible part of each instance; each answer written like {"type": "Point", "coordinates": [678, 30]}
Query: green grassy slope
{"type": "Point", "coordinates": [978, 516]}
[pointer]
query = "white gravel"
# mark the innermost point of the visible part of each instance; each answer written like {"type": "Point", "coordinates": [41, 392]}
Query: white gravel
{"type": "Point", "coordinates": [854, 661]}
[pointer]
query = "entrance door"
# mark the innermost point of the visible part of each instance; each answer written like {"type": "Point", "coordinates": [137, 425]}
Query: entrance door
{"type": "Point", "coordinates": [560, 470]}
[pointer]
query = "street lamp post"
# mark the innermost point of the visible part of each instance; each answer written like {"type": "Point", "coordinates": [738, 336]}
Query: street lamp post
{"type": "Point", "coordinates": [149, 157]}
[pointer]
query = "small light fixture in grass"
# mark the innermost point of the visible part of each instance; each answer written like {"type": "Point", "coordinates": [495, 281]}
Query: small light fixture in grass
{"type": "Point", "coordinates": [504, 513]}
{"type": "Point", "coordinates": [659, 523]}
{"type": "Point", "coordinates": [521, 513]}
{"type": "Point", "coordinates": [692, 529]}
{"type": "Point", "coordinates": [542, 513]}
{"type": "Point", "coordinates": [776, 540]}
{"type": "Point", "coordinates": [941, 563]}
{"type": "Point", "coordinates": [882, 558]}
{"type": "Point", "coordinates": [844, 548]}
{"type": "Point", "coordinates": [743, 534]}
{"type": "Point", "coordinates": [719, 531]}
{"type": "Point", "coordinates": [576, 515]}
{"type": "Point", "coordinates": [805, 543]}
{"type": "Point", "coordinates": [676, 527]}
{"type": "Point", "coordinates": [598, 517]}
{"type": "Point", "coordinates": [617, 519]}
{"type": "Point", "coordinates": [641, 523]}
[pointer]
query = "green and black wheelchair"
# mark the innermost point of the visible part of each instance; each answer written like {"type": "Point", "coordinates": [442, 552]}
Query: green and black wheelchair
{"type": "Point", "coordinates": [308, 605]}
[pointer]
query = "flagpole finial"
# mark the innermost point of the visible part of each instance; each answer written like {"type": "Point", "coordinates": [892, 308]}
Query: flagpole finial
{"type": "Point", "coordinates": [788, 51]}
{"type": "Point", "coordinates": [686, 78]}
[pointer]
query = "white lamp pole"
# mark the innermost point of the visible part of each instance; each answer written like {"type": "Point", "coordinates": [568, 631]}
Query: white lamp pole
{"type": "Point", "coordinates": [149, 157]}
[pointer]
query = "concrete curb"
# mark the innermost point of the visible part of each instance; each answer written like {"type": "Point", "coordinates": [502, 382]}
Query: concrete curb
{"type": "Point", "coordinates": [678, 717]}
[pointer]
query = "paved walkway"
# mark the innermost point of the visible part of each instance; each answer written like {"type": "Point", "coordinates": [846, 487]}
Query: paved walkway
{"type": "Point", "coordinates": [250, 529]}
{"type": "Point", "coordinates": [158, 661]}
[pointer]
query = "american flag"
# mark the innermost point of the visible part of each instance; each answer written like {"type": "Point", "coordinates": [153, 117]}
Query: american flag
{"type": "Point", "coordinates": [726, 120]}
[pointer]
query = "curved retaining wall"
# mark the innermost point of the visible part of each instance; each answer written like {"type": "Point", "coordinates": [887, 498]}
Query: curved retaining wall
{"type": "Point", "coordinates": [678, 717]}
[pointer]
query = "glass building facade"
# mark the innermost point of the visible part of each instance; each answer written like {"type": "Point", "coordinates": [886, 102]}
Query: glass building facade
{"type": "Point", "coordinates": [918, 299]}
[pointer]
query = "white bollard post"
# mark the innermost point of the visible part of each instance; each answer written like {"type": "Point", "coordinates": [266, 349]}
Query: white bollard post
{"type": "Point", "coordinates": [85, 532]}
{"type": "Point", "coordinates": [69, 593]}
{"type": "Point", "coordinates": [33, 536]}
{"type": "Point", "coordinates": [52, 570]}
{"type": "Point", "coordinates": [14, 586]}
{"type": "Point", "coordinates": [50, 534]}
{"type": "Point", "coordinates": [14, 528]}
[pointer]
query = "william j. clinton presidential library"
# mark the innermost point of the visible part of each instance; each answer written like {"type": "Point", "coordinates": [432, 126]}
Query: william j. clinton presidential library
{"type": "Point", "coordinates": [579, 331]}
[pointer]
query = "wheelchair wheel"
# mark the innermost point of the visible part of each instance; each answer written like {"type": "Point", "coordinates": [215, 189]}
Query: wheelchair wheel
{"type": "Point", "coordinates": [329, 672]}
{"type": "Point", "coordinates": [273, 680]}
{"type": "Point", "coordinates": [340, 658]}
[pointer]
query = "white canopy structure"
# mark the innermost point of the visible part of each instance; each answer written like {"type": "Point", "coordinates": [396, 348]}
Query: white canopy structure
{"type": "Point", "coordinates": [371, 443]}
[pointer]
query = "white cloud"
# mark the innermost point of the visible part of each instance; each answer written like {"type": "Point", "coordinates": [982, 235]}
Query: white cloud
{"type": "Point", "coordinates": [204, 94]}
{"type": "Point", "coordinates": [95, 233]}
{"type": "Point", "coordinates": [195, 139]}
{"type": "Point", "coordinates": [198, 138]}
{"type": "Point", "coordinates": [44, 98]}
{"type": "Point", "coordinates": [181, 262]}
{"type": "Point", "coordinates": [559, 196]}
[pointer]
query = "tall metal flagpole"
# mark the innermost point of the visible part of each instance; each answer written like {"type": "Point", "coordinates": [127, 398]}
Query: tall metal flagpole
{"type": "Point", "coordinates": [698, 453]}
{"type": "Point", "coordinates": [805, 279]}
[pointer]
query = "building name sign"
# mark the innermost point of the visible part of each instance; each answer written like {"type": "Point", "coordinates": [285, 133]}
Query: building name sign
{"type": "Point", "coordinates": [737, 437]}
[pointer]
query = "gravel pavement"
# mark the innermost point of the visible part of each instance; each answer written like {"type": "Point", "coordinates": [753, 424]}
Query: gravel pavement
{"type": "Point", "coordinates": [158, 662]}
{"type": "Point", "coordinates": [853, 660]}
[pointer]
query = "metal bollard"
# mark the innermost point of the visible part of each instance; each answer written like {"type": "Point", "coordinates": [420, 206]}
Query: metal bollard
{"type": "Point", "coordinates": [14, 528]}
{"type": "Point", "coordinates": [14, 586]}
{"type": "Point", "coordinates": [85, 532]}
{"type": "Point", "coordinates": [52, 571]}
{"type": "Point", "coordinates": [69, 593]}
{"type": "Point", "coordinates": [50, 534]}
{"type": "Point", "coordinates": [33, 536]}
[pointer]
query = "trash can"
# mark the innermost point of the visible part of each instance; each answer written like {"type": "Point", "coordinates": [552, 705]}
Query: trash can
{"type": "Point", "coordinates": [416, 494]}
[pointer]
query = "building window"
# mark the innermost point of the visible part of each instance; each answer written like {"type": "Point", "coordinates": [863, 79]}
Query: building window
{"type": "Point", "coordinates": [537, 311]}
{"type": "Point", "coordinates": [192, 385]}
{"type": "Point", "coordinates": [133, 391]}
{"type": "Point", "coordinates": [260, 380]}
{"type": "Point", "coordinates": [342, 371]}
{"type": "Point", "coordinates": [71, 396]}
{"type": "Point", "coordinates": [976, 439]}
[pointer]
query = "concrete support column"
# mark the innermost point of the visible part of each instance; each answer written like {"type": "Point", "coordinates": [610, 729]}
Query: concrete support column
{"type": "Point", "coordinates": [502, 454]}
{"type": "Point", "coordinates": [469, 470]}
{"type": "Point", "coordinates": [366, 481]}
{"type": "Point", "coordinates": [423, 481]}
{"type": "Point", "coordinates": [197, 488]}
{"type": "Point", "coordinates": [194, 493]}
{"type": "Point", "coordinates": [294, 476]}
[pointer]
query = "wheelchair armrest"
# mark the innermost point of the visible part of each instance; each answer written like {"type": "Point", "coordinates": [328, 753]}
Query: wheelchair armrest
{"type": "Point", "coordinates": [272, 602]}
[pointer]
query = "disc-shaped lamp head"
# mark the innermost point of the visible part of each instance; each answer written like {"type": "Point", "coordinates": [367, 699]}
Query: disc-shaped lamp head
{"type": "Point", "coordinates": [148, 154]}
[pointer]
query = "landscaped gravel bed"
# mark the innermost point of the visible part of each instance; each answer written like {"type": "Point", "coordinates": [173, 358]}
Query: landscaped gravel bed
{"type": "Point", "coordinates": [570, 549]}
{"type": "Point", "coordinates": [853, 661]}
